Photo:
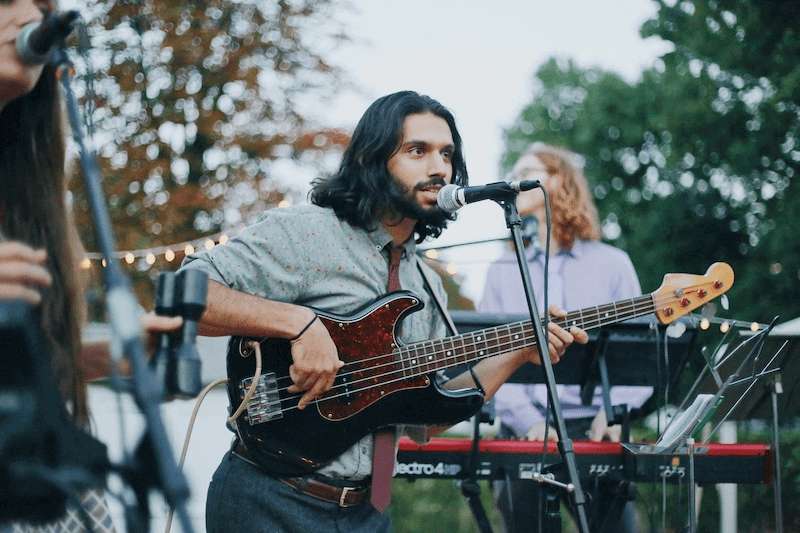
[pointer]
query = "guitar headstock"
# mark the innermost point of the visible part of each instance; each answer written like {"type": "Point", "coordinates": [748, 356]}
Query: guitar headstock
{"type": "Point", "coordinates": [680, 294]}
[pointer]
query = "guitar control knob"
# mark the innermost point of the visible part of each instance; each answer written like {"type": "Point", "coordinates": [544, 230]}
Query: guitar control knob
{"type": "Point", "coordinates": [668, 311]}
{"type": "Point", "coordinates": [718, 284]}
{"type": "Point", "coordinates": [702, 293]}
{"type": "Point", "coordinates": [684, 302]}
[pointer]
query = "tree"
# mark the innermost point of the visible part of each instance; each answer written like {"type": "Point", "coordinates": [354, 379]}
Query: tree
{"type": "Point", "coordinates": [199, 111]}
{"type": "Point", "coordinates": [694, 161]}
{"type": "Point", "coordinates": [745, 52]}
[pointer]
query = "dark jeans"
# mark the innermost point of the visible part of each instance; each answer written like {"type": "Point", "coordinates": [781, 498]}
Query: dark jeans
{"type": "Point", "coordinates": [241, 497]}
{"type": "Point", "coordinates": [519, 502]}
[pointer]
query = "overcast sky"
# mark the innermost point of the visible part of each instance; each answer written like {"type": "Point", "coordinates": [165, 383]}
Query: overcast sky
{"type": "Point", "coordinates": [478, 58]}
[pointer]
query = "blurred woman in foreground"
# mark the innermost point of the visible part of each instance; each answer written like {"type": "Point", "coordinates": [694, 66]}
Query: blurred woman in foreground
{"type": "Point", "coordinates": [39, 246]}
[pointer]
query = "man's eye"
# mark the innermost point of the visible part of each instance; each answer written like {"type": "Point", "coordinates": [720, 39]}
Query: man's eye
{"type": "Point", "coordinates": [447, 155]}
{"type": "Point", "coordinates": [417, 150]}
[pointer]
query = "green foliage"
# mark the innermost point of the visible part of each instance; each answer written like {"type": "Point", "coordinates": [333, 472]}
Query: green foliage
{"type": "Point", "coordinates": [695, 161]}
{"type": "Point", "coordinates": [436, 505]}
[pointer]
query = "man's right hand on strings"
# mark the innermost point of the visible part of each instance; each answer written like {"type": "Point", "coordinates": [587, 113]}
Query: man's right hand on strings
{"type": "Point", "coordinates": [316, 361]}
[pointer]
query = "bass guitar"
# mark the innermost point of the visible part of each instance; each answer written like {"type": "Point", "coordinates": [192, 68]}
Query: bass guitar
{"type": "Point", "coordinates": [384, 382]}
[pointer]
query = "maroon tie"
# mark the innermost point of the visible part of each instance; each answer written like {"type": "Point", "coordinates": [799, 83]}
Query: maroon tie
{"type": "Point", "coordinates": [383, 440]}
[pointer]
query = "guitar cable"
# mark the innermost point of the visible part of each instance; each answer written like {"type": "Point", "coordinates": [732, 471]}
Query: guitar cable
{"type": "Point", "coordinates": [256, 346]}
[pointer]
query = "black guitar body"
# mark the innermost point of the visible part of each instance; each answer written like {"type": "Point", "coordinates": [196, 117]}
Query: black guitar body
{"type": "Point", "coordinates": [379, 386]}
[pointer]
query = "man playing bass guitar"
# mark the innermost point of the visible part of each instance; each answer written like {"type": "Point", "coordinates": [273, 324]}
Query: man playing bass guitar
{"type": "Point", "coordinates": [352, 246]}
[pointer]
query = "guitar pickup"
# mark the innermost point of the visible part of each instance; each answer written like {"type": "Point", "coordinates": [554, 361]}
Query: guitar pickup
{"type": "Point", "coordinates": [265, 404]}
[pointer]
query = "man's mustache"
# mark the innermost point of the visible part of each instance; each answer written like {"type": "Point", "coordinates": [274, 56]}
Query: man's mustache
{"type": "Point", "coordinates": [430, 183]}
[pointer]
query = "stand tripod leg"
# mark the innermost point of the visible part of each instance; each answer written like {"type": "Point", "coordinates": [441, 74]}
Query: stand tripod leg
{"type": "Point", "coordinates": [551, 522]}
{"type": "Point", "coordinates": [472, 492]}
{"type": "Point", "coordinates": [776, 389]}
{"type": "Point", "coordinates": [470, 487]}
{"type": "Point", "coordinates": [691, 500]}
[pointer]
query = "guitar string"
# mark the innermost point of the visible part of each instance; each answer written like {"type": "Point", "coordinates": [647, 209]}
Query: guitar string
{"type": "Point", "coordinates": [456, 360]}
{"type": "Point", "coordinates": [469, 345]}
{"type": "Point", "coordinates": [574, 318]}
{"type": "Point", "coordinates": [496, 350]}
{"type": "Point", "coordinates": [469, 340]}
{"type": "Point", "coordinates": [634, 305]}
{"type": "Point", "coordinates": [569, 320]}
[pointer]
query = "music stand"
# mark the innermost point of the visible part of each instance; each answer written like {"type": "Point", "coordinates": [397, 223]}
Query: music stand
{"type": "Point", "coordinates": [730, 373]}
{"type": "Point", "coordinates": [769, 386]}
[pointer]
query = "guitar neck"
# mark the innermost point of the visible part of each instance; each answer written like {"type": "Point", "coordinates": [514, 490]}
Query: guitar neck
{"type": "Point", "coordinates": [430, 356]}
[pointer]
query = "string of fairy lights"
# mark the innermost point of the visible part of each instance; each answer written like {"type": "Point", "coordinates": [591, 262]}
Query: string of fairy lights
{"type": "Point", "coordinates": [169, 253]}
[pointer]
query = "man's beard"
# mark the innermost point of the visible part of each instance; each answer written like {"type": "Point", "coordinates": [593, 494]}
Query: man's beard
{"type": "Point", "coordinates": [405, 205]}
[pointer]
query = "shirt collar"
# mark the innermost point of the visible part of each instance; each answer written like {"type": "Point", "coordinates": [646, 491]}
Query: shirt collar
{"type": "Point", "coordinates": [380, 238]}
{"type": "Point", "coordinates": [536, 252]}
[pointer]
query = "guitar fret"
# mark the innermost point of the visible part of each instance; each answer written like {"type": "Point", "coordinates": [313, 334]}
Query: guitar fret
{"type": "Point", "coordinates": [408, 360]}
{"type": "Point", "coordinates": [402, 361]}
{"type": "Point", "coordinates": [430, 356]}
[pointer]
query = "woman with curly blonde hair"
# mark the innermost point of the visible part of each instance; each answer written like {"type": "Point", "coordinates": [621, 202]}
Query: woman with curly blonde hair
{"type": "Point", "coordinates": [561, 173]}
{"type": "Point", "coordinates": [583, 272]}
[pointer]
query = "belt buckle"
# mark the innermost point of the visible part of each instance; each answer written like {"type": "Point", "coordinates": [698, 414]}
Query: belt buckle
{"type": "Point", "coordinates": [343, 496]}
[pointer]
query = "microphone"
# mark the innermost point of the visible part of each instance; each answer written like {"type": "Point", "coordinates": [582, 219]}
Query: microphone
{"type": "Point", "coordinates": [451, 197]}
{"type": "Point", "coordinates": [37, 39]}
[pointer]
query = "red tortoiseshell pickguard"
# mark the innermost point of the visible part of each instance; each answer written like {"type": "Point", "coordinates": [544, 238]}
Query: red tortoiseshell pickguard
{"type": "Point", "coordinates": [372, 365]}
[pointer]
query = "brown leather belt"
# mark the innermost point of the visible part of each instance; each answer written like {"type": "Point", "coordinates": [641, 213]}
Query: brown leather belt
{"type": "Point", "coordinates": [343, 496]}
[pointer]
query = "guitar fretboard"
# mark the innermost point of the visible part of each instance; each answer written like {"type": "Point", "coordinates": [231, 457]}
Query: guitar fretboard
{"type": "Point", "coordinates": [430, 356]}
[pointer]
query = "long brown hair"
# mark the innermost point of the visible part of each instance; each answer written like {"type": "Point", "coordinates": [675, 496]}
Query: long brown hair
{"type": "Point", "coordinates": [33, 210]}
{"type": "Point", "coordinates": [573, 210]}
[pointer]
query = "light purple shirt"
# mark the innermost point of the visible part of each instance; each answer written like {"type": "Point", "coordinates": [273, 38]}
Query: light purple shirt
{"type": "Point", "coordinates": [591, 273]}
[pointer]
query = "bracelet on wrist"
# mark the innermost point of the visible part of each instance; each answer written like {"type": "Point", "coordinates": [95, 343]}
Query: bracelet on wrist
{"type": "Point", "coordinates": [478, 384]}
{"type": "Point", "coordinates": [305, 328]}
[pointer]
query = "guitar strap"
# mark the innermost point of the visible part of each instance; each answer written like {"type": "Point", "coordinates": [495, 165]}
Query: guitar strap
{"type": "Point", "coordinates": [436, 298]}
{"type": "Point", "coordinates": [447, 319]}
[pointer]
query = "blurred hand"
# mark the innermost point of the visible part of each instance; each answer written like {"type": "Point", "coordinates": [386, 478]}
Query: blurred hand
{"type": "Point", "coordinates": [537, 432]}
{"type": "Point", "coordinates": [22, 272]}
{"type": "Point", "coordinates": [558, 339]}
{"type": "Point", "coordinates": [316, 362]}
{"type": "Point", "coordinates": [153, 324]}
{"type": "Point", "coordinates": [600, 429]}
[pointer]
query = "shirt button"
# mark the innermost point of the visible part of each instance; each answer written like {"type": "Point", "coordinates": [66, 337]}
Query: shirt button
{"type": "Point", "coordinates": [378, 247]}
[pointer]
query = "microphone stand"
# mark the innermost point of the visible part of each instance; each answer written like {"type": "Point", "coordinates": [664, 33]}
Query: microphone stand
{"type": "Point", "coordinates": [124, 316]}
{"type": "Point", "coordinates": [514, 224]}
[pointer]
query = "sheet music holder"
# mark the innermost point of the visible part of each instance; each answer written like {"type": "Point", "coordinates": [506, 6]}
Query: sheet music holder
{"type": "Point", "coordinates": [733, 379]}
{"type": "Point", "coordinates": [757, 404]}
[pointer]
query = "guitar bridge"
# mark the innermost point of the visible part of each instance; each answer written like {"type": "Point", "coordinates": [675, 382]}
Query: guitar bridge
{"type": "Point", "coordinates": [265, 404]}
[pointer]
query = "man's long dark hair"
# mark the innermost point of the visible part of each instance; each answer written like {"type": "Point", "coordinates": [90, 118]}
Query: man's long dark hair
{"type": "Point", "coordinates": [363, 190]}
{"type": "Point", "coordinates": [33, 210]}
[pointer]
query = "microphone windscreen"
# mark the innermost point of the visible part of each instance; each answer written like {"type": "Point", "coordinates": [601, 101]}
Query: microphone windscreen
{"type": "Point", "coordinates": [447, 199]}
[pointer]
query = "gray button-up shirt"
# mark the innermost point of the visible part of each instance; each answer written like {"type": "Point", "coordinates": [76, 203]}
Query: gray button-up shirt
{"type": "Point", "coordinates": [307, 256]}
